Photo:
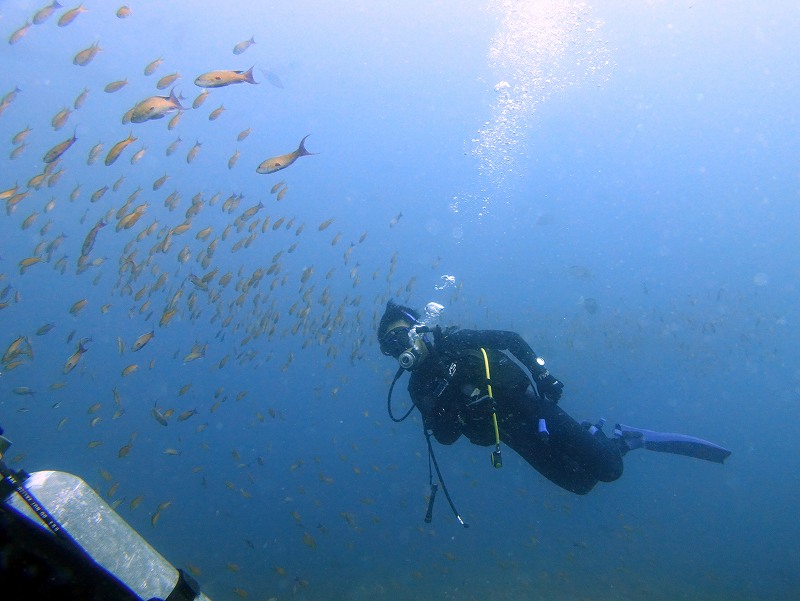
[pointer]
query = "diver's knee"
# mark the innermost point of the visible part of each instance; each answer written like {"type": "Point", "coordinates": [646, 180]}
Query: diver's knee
{"type": "Point", "coordinates": [611, 471]}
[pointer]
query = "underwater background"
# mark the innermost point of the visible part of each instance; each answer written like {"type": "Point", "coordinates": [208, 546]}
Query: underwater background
{"type": "Point", "coordinates": [619, 183]}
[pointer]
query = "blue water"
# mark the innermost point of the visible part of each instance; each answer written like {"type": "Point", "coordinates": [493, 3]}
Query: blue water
{"type": "Point", "coordinates": [645, 161]}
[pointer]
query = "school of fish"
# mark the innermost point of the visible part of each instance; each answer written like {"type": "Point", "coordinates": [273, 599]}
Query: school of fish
{"type": "Point", "coordinates": [234, 271]}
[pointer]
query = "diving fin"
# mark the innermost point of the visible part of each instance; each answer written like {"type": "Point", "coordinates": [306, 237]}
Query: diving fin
{"type": "Point", "coordinates": [667, 442]}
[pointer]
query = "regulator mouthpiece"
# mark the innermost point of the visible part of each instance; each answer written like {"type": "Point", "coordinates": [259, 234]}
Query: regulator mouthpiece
{"type": "Point", "coordinates": [408, 359]}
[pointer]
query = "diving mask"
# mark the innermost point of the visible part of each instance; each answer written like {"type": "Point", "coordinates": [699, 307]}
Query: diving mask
{"type": "Point", "coordinates": [395, 341]}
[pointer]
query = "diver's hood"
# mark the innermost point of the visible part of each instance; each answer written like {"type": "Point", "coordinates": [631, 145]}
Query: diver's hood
{"type": "Point", "coordinates": [396, 315]}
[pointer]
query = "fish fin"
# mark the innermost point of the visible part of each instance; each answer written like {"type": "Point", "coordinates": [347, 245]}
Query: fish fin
{"type": "Point", "coordinates": [248, 75]}
{"type": "Point", "coordinates": [176, 100]}
{"type": "Point", "coordinates": [301, 150]}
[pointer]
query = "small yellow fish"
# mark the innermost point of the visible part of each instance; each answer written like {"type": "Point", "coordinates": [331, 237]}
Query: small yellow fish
{"type": "Point", "coordinates": [19, 33]}
{"type": "Point", "coordinates": [94, 153]}
{"type": "Point", "coordinates": [167, 80]}
{"type": "Point", "coordinates": [218, 79]}
{"type": "Point", "coordinates": [27, 262]}
{"type": "Point", "coordinates": [21, 136]}
{"type": "Point", "coordinates": [69, 16]}
{"type": "Point", "coordinates": [142, 340]}
{"type": "Point", "coordinates": [44, 329]}
{"type": "Point", "coordinates": [130, 369]}
{"type": "Point", "coordinates": [117, 149]}
{"type": "Point", "coordinates": [273, 164]}
{"type": "Point", "coordinates": [244, 45]}
{"type": "Point", "coordinates": [98, 194]}
{"type": "Point", "coordinates": [16, 199]}
{"type": "Point", "coordinates": [29, 220]}
{"type": "Point", "coordinates": [201, 98]}
{"type": "Point", "coordinates": [78, 305]}
{"type": "Point", "coordinates": [167, 316]}
{"type": "Point", "coordinates": [307, 273]}
{"type": "Point", "coordinates": [192, 154]}
{"type": "Point", "coordinates": [138, 156]}
{"type": "Point", "coordinates": [60, 118]}
{"type": "Point", "coordinates": [160, 182]}
{"type": "Point", "coordinates": [88, 242]}
{"type": "Point", "coordinates": [124, 450]}
{"type": "Point", "coordinates": [176, 119]}
{"type": "Point", "coordinates": [186, 415]}
{"type": "Point", "coordinates": [6, 194]}
{"type": "Point", "coordinates": [84, 57]}
{"type": "Point", "coordinates": [59, 149]}
{"type": "Point", "coordinates": [197, 352]}
{"type": "Point", "coordinates": [44, 13]}
{"type": "Point", "coordinates": [115, 86]}
{"type": "Point", "coordinates": [181, 228]}
{"type": "Point", "coordinates": [152, 66]}
{"type": "Point", "coordinates": [81, 99]}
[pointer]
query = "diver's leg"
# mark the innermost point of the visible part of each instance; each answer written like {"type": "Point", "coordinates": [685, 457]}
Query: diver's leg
{"type": "Point", "coordinates": [570, 455]}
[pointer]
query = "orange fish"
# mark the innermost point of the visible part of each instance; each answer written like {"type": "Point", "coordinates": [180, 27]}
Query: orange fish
{"type": "Point", "coordinates": [219, 79]}
{"type": "Point", "coordinates": [273, 164]}
{"type": "Point", "coordinates": [84, 57]}
{"type": "Point", "coordinates": [117, 149]}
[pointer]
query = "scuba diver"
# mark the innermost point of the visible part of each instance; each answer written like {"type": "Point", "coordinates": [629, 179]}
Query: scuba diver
{"type": "Point", "coordinates": [491, 387]}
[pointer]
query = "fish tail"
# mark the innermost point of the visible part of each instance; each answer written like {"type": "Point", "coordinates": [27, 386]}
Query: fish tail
{"type": "Point", "coordinates": [175, 100]}
{"type": "Point", "coordinates": [248, 75]}
{"type": "Point", "coordinates": [301, 150]}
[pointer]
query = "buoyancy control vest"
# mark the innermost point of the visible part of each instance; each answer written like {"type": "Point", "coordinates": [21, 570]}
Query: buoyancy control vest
{"type": "Point", "coordinates": [451, 392]}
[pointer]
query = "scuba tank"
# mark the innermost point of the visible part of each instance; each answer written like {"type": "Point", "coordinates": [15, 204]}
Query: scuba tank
{"type": "Point", "coordinates": [57, 520]}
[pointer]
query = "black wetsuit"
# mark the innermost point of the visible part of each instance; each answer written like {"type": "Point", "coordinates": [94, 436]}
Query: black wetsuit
{"type": "Point", "coordinates": [449, 388]}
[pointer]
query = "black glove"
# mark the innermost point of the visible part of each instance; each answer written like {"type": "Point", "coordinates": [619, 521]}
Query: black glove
{"type": "Point", "coordinates": [548, 387]}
